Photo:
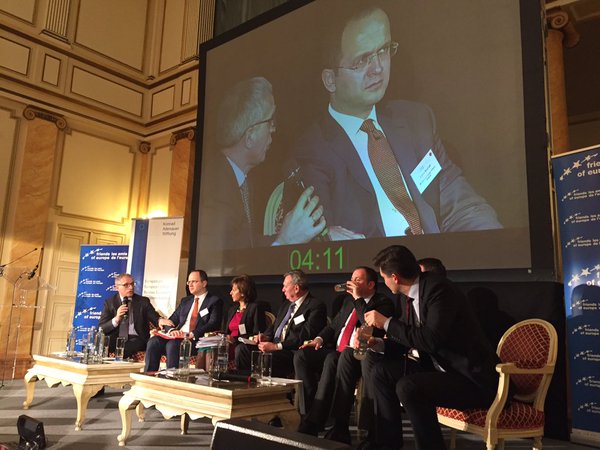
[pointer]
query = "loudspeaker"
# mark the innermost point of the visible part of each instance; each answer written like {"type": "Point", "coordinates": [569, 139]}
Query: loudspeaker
{"type": "Point", "coordinates": [254, 435]}
{"type": "Point", "coordinates": [31, 433]}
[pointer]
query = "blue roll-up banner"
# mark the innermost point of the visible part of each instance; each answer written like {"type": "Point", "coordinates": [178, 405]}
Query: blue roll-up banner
{"type": "Point", "coordinates": [98, 267]}
{"type": "Point", "coordinates": [577, 181]}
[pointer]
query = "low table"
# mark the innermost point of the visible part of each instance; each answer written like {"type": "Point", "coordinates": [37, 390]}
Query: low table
{"type": "Point", "coordinates": [198, 396]}
{"type": "Point", "coordinates": [87, 379]}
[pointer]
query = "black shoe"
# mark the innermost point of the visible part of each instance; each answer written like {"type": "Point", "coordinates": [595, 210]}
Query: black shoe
{"type": "Point", "coordinates": [275, 422]}
{"type": "Point", "coordinates": [307, 427]}
{"type": "Point", "coordinates": [339, 435]}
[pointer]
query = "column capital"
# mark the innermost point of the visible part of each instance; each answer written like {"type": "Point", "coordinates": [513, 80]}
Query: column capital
{"type": "Point", "coordinates": [144, 147]}
{"type": "Point", "coordinates": [31, 112]}
{"type": "Point", "coordinates": [186, 133]}
{"type": "Point", "coordinates": [559, 20]}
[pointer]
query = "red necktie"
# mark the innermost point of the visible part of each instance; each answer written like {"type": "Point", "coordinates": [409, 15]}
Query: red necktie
{"type": "Point", "coordinates": [347, 333]}
{"type": "Point", "coordinates": [387, 171]}
{"type": "Point", "coordinates": [194, 318]}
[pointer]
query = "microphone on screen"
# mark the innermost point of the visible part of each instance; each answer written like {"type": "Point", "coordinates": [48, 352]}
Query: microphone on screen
{"type": "Point", "coordinates": [125, 301]}
{"type": "Point", "coordinates": [293, 188]}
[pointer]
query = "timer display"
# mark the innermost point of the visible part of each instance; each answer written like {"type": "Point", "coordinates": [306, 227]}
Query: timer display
{"type": "Point", "coordinates": [311, 260]}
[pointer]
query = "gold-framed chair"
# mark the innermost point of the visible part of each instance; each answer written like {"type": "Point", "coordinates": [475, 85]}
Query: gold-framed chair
{"type": "Point", "coordinates": [527, 352]}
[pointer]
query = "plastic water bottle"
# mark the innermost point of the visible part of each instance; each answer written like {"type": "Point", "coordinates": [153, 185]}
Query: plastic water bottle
{"type": "Point", "coordinates": [185, 351]}
{"type": "Point", "coordinates": [364, 333]}
{"type": "Point", "coordinates": [71, 340]}
{"type": "Point", "coordinates": [222, 355]}
{"type": "Point", "coordinates": [89, 346]}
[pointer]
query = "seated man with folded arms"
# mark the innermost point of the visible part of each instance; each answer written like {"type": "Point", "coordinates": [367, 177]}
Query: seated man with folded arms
{"type": "Point", "coordinates": [327, 365]}
{"type": "Point", "coordinates": [299, 319]}
{"type": "Point", "coordinates": [198, 313]}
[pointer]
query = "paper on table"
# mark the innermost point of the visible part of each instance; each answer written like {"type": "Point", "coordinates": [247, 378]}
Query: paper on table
{"type": "Point", "coordinates": [247, 341]}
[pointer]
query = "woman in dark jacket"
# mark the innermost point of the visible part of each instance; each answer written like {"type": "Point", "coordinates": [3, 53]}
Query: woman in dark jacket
{"type": "Point", "coordinates": [245, 318]}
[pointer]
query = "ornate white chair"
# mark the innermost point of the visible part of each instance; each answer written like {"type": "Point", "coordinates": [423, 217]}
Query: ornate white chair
{"type": "Point", "coordinates": [527, 353]}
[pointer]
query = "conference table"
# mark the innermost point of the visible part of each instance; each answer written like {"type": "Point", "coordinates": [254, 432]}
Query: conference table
{"type": "Point", "coordinates": [196, 396]}
{"type": "Point", "coordinates": [86, 379]}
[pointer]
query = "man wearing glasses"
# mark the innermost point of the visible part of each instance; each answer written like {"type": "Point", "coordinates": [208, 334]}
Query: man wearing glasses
{"type": "Point", "coordinates": [198, 313]}
{"type": "Point", "coordinates": [228, 217]}
{"type": "Point", "coordinates": [127, 314]}
{"type": "Point", "coordinates": [383, 158]}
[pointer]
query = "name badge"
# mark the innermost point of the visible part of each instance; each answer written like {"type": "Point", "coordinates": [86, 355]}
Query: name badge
{"type": "Point", "coordinates": [426, 171]}
{"type": "Point", "coordinates": [242, 328]}
{"type": "Point", "coordinates": [203, 312]}
{"type": "Point", "coordinates": [299, 319]}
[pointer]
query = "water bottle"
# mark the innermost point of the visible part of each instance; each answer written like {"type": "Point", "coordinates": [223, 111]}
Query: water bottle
{"type": "Point", "coordinates": [364, 333]}
{"type": "Point", "coordinates": [99, 346]}
{"type": "Point", "coordinates": [71, 340]}
{"type": "Point", "coordinates": [185, 351]}
{"type": "Point", "coordinates": [222, 355]}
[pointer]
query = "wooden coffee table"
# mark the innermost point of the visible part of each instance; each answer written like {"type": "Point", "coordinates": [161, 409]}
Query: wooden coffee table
{"type": "Point", "coordinates": [195, 397]}
{"type": "Point", "coordinates": [87, 379]}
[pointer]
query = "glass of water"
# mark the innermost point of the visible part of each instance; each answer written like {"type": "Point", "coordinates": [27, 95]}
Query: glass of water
{"type": "Point", "coordinates": [120, 349]}
{"type": "Point", "coordinates": [266, 367]}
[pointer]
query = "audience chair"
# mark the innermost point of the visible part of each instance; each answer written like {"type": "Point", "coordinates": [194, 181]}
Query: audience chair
{"type": "Point", "coordinates": [527, 352]}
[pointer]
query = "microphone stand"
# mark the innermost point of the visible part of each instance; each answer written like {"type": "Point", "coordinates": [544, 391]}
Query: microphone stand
{"type": "Point", "coordinates": [14, 305]}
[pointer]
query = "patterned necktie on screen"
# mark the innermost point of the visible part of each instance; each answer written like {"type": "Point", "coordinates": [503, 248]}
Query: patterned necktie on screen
{"type": "Point", "coordinates": [194, 317]}
{"type": "Point", "coordinates": [279, 335]}
{"type": "Point", "coordinates": [246, 200]}
{"type": "Point", "coordinates": [347, 333]}
{"type": "Point", "coordinates": [386, 168]}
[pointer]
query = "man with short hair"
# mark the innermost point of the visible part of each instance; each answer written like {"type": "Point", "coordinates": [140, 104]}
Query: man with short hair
{"type": "Point", "coordinates": [440, 324]}
{"type": "Point", "coordinates": [433, 265]}
{"type": "Point", "coordinates": [198, 313]}
{"type": "Point", "coordinates": [299, 319]}
{"type": "Point", "coordinates": [127, 314]}
{"type": "Point", "coordinates": [383, 158]}
{"type": "Point", "coordinates": [326, 364]}
{"type": "Point", "coordinates": [228, 216]}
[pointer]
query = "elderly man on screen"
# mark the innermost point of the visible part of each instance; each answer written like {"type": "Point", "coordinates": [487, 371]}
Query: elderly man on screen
{"type": "Point", "coordinates": [384, 158]}
{"type": "Point", "coordinates": [228, 215]}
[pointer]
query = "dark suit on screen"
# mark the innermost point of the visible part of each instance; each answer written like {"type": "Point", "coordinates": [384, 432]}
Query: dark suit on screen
{"type": "Point", "coordinates": [222, 221]}
{"type": "Point", "coordinates": [253, 318]}
{"type": "Point", "coordinates": [317, 368]}
{"type": "Point", "coordinates": [142, 312]}
{"type": "Point", "coordinates": [449, 334]}
{"type": "Point", "coordinates": [331, 164]}
{"type": "Point", "coordinates": [158, 346]}
{"type": "Point", "coordinates": [315, 318]}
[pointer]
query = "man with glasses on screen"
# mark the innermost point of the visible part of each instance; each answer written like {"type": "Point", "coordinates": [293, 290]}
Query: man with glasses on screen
{"type": "Point", "coordinates": [228, 216]}
{"type": "Point", "coordinates": [127, 314]}
{"type": "Point", "coordinates": [383, 158]}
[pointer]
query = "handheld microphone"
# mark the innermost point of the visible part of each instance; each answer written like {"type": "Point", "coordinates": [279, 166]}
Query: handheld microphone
{"type": "Point", "coordinates": [125, 302]}
{"type": "Point", "coordinates": [293, 187]}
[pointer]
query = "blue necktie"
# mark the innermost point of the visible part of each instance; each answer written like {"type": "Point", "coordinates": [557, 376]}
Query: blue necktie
{"type": "Point", "coordinates": [283, 323]}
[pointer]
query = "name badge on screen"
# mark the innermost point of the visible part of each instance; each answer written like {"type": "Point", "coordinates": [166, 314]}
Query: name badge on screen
{"type": "Point", "coordinates": [299, 319]}
{"type": "Point", "coordinates": [203, 312]}
{"type": "Point", "coordinates": [242, 328]}
{"type": "Point", "coordinates": [426, 171]}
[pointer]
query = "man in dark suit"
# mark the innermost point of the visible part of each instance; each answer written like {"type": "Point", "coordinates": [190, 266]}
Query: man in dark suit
{"type": "Point", "coordinates": [299, 319]}
{"type": "Point", "coordinates": [228, 216]}
{"type": "Point", "coordinates": [197, 314]}
{"type": "Point", "coordinates": [349, 153]}
{"type": "Point", "coordinates": [128, 315]}
{"type": "Point", "coordinates": [440, 324]}
{"type": "Point", "coordinates": [318, 361]}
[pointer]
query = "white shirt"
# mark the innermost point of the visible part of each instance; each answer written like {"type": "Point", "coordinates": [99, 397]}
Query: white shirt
{"type": "Point", "coordinates": [240, 176]}
{"type": "Point", "coordinates": [297, 305]}
{"type": "Point", "coordinates": [394, 223]}
{"type": "Point", "coordinates": [186, 326]}
{"type": "Point", "coordinates": [354, 332]}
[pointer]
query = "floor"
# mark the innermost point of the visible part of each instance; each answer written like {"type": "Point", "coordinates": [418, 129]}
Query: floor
{"type": "Point", "coordinates": [56, 409]}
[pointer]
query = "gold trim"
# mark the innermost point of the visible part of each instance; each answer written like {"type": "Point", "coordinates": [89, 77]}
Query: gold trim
{"type": "Point", "coordinates": [186, 133]}
{"type": "Point", "coordinates": [31, 113]}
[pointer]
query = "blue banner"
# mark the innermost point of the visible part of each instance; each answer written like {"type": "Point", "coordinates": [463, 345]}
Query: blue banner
{"type": "Point", "coordinates": [98, 267]}
{"type": "Point", "coordinates": [577, 181]}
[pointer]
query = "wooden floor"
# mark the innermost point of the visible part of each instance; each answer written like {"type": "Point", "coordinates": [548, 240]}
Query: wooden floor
{"type": "Point", "coordinates": [56, 409]}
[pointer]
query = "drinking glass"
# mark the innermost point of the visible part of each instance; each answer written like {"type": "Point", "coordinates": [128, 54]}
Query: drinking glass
{"type": "Point", "coordinates": [120, 349]}
{"type": "Point", "coordinates": [256, 366]}
{"type": "Point", "coordinates": [266, 367]}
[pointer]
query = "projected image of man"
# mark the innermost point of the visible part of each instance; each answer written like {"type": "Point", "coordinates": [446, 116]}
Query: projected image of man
{"type": "Point", "coordinates": [228, 215]}
{"type": "Point", "coordinates": [382, 158]}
